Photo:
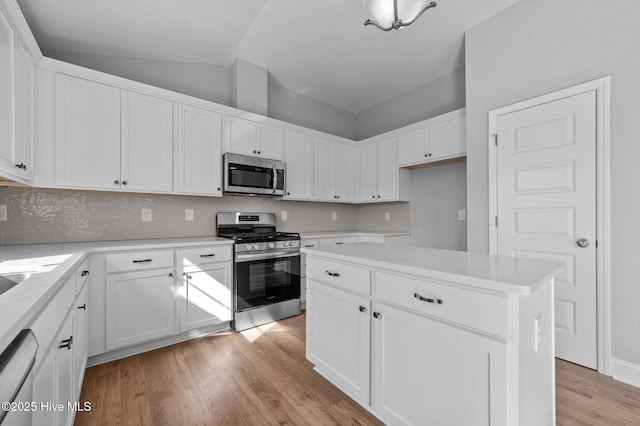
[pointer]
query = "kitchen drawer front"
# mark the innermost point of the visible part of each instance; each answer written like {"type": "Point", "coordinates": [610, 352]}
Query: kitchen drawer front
{"type": "Point", "coordinates": [46, 325]}
{"type": "Point", "coordinates": [474, 309]}
{"type": "Point", "coordinates": [138, 260]}
{"type": "Point", "coordinates": [205, 255]}
{"type": "Point", "coordinates": [341, 275]}
{"type": "Point", "coordinates": [82, 275]}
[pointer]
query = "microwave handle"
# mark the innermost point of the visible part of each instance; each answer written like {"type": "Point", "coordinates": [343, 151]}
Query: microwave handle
{"type": "Point", "coordinates": [275, 178]}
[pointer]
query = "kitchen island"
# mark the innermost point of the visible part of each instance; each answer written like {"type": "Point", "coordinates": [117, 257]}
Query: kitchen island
{"type": "Point", "coordinates": [426, 336]}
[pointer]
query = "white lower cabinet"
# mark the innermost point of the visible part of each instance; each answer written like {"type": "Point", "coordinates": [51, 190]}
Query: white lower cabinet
{"type": "Point", "coordinates": [341, 340]}
{"type": "Point", "coordinates": [140, 307]}
{"type": "Point", "coordinates": [80, 339]}
{"type": "Point", "coordinates": [427, 372]}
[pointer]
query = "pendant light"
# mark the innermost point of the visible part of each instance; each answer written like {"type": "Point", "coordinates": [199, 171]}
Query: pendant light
{"type": "Point", "coordinates": [394, 14]}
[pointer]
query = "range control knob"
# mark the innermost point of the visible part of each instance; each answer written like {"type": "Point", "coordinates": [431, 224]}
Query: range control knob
{"type": "Point", "coordinates": [248, 246]}
{"type": "Point", "coordinates": [271, 245]}
{"type": "Point", "coordinates": [256, 247]}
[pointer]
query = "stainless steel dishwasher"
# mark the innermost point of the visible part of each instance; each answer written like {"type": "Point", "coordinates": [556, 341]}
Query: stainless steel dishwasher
{"type": "Point", "coordinates": [16, 381]}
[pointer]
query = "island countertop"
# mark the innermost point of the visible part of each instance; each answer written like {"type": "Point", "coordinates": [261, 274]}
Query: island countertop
{"type": "Point", "coordinates": [499, 273]}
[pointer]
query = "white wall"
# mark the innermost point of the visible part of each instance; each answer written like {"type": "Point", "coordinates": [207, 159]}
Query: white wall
{"type": "Point", "coordinates": [437, 193]}
{"type": "Point", "coordinates": [539, 46]}
{"type": "Point", "coordinates": [433, 98]}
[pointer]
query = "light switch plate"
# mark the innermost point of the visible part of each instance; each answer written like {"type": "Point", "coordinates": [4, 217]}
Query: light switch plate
{"type": "Point", "coordinates": [283, 215]}
{"type": "Point", "coordinates": [146, 215]}
{"type": "Point", "coordinates": [462, 214]}
{"type": "Point", "coordinates": [334, 215]}
{"type": "Point", "coordinates": [188, 215]}
{"type": "Point", "coordinates": [3, 213]}
{"type": "Point", "coordinates": [387, 216]}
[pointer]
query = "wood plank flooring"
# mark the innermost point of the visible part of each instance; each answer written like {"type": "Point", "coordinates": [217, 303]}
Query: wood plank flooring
{"type": "Point", "coordinates": [261, 377]}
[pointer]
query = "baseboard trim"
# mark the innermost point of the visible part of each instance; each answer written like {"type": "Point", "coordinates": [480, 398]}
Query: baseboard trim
{"type": "Point", "coordinates": [625, 371]}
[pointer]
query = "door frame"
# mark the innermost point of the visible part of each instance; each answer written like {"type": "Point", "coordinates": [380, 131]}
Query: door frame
{"type": "Point", "coordinates": [602, 87]}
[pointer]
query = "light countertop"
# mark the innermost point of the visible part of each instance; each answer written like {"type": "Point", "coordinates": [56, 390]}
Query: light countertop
{"type": "Point", "coordinates": [21, 305]}
{"type": "Point", "coordinates": [499, 273]}
{"type": "Point", "coordinates": [326, 234]}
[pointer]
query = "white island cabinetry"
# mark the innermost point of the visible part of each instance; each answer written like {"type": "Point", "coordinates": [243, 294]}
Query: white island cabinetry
{"type": "Point", "coordinates": [452, 333]}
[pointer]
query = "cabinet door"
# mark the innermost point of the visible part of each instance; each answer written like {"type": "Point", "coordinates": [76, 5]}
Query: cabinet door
{"type": "Point", "coordinates": [65, 371]}
{"type": "Point", "coordinates": [139, 307]}
{"type": "Point", "coordinates": [147, 143]}
{"type": "Point", "coordinates": [269, 142]}
{"type": "Point", "coordinates": [87, 134]}
{"type": "Point", "coordinates": [205, 295]}
{"type": "Point", "coordinates": [387, 170]}
{"type": "Point", "coordinates": [240, 136]}
{"type": "Point", "coordinates": [45, 389]}
{"type": "Point", "coordinates": [80, 340]}
{"type": "Point", "coordinates": [323, 171]}
{"type": "Point", "coordinates": [412, 147]}
{"type": "Point", "coordinates": [448, 139]}
{"type": "Point", "coordinates": [346, 173]}
{"type": "Point", "coordinates": [338, 339]}
{"type": "Point", "coordinates": [426, 372]}
{"type": "Point", "coordinates": [23, 113]}
{"type": "Point", "coordinates": [299, 161]}
{"type": "Point", "coordinates": [368, 165]}
{"type": "Point", "coordinates": [6, 94]}
{"type": "Point", "coordinates": [199, 151]}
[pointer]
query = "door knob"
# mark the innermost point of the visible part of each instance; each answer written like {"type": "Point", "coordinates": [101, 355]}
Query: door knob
{"type": "Point", "coordinates": [583, 242]}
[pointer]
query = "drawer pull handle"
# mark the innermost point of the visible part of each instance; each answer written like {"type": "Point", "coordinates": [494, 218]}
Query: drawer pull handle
{"type": "Point", "coordinates": [83, 307]}
{"type": "Point", "coordinates": [143, 261]}
{"type": "Point", "coordinates": [84, 273]}
{"type": "Point", "coordinates": [66, 343]}
{"type": "Point", "coordinates": [332, 274]}
{"type": "Point", "coordinates": [376, 315]}
{"type": "Point", "coordinates": [428, 299]}
{"type": "Point", "coordinates": [340, 242]}
{"type": "Point", "coordinates": [208, 255]}
{"type": "Point", "coordinates": [309, 245]}
{"type": "Point", "coordinates": [362, 309]}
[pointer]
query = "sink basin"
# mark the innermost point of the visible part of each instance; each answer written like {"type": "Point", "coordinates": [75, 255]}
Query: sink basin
{"type": "Point", "coordinates": [8, 281]}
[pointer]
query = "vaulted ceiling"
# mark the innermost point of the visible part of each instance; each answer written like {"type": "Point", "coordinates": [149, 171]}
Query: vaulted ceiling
{"type": "Point", "coordinates": [316, 47]}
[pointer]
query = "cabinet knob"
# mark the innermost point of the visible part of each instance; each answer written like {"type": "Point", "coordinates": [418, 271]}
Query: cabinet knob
{"type": "Point", "coordinates": [426, 155]}
{"type": "Point", "coordinates": [288, 193]}
{"type": "Point", "coordinates": [429, 154]}
{"type": "Point", "coordinates": [22, 166]}
{"type": "Point", "coordinates": [84, 273]}
{"type": "Point", "coordinates": [255, 152]}
{"type": "Point", "coordinates": [171, 274]}
{"type": "Point", "coordinates": [373, 196]}
{"type": "Point", "coordinates": [117, 182]}
{"type": "Point", "coordinates": [218, 189]}
{"type": "Point", "coordinates": [378, 196]}
{"type": "Point", "coordinates": [376, 315]}
{"type": "Point", "coordinates": [124, 182]}
{"type": "Point", "coordinates": [83, 307]}
{"type": "Point", "coordinates": [66, 343]}
{"type": "Point", "coordinates": [362, 309]}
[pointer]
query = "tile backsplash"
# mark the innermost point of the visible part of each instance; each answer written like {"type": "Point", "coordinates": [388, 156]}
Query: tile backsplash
{"type": "Point", "coordinates": [48, 216]}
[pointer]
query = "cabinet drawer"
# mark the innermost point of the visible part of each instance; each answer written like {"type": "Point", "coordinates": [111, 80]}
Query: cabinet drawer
{"type": "Point", "coordinates": [342, 275]}
{"type": "Point", "coordinates": [46, 326]}
{"type": "Point", "coordinates": [205, 255]}
{"type": "Point", "coordinates": [138, 260]}
{"type": "Point", "coordinates": [467, 307]}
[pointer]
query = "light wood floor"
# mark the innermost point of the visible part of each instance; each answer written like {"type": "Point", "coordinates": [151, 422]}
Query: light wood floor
{"type": "Point", "coordinates": [261, 377]}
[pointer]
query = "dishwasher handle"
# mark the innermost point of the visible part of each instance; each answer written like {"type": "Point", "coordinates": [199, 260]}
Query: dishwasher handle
{"type": "Point", "coordinates": [16, 363]}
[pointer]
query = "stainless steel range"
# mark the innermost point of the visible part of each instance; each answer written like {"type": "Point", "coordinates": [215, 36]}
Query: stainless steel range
{"type": "Point", "coordinates": [266, 268]}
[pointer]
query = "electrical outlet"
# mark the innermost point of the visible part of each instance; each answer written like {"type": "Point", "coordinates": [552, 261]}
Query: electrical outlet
{"type": "Point", "coordinates": [462, 214]}
{"type": "Point", "coordinates": [537, 335]}
{"type": "Point", "coordinates": [146, 215]}
{"type": "Point", "coordinates": [334, 215]}
{"type": "Point", "coordinates": [3, 213]}
{"type": "Point", "coordinates": [283, 216]}
{"type": "Point", "coordinates": [387, 216]}
{"type": "Point", "coordinates": [188, 215]}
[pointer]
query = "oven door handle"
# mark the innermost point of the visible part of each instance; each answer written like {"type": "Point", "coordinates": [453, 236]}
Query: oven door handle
{"type": "Point", "coordinates": [264, 256]}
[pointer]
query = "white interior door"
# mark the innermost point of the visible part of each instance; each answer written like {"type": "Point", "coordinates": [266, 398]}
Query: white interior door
{"type": "Point", "coordinates": [546, 205]}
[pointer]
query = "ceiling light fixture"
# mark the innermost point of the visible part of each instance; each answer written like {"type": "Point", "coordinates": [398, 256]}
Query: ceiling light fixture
{"type": "Point", "coordinates": [389, 15]}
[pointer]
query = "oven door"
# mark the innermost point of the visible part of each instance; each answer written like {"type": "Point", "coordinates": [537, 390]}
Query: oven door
{"type": "Point", "coordinates": [261, 281]}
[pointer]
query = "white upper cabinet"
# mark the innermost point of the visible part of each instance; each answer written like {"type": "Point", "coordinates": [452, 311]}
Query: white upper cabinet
{"type": "Point", "coordinates": [440, 138]}
{"type": "Point", "coordinates": [16, 104]}
{"type": "Point", "coordinates": [112, 139]}
{"type": "Point", "coordinates": [87, 134]}
{"type": "Point", "coordinates": [247, 137]}
{"type": "Point", "coordinates": [298, 156]}
{"type": "Point", "coordinates": [379, 173]}
{"type": "Point", "coordinates": [334, 172]}
{"type": "Point", "coordinates": [146, 143]}
{"type": "Point", "coordinates": [199, 151]}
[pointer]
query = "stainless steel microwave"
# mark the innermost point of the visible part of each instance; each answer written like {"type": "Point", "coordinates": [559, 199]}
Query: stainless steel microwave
{"type": "Point", "coordinates": [248, 175]}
